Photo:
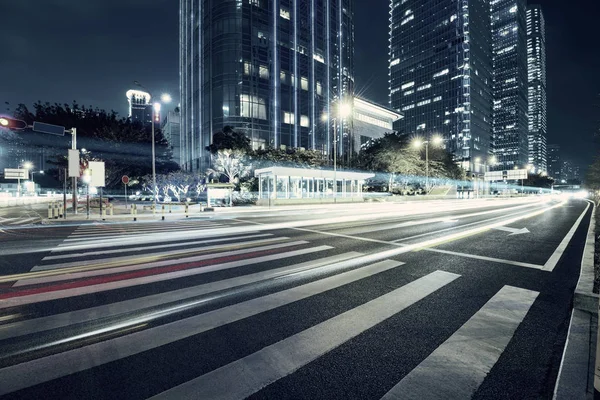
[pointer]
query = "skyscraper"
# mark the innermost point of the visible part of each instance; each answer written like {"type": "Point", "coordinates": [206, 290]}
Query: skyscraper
{"type": "Point", "coordinates": [554, 162]}
{"type": "Point", "coordinates": [271, 69]}
{"type": "Point", "coordinates": [509, 40]}
{"type": "Point", "coordinates": [536, 77]}
{"type": "Point", "coordinates": [440, 73]}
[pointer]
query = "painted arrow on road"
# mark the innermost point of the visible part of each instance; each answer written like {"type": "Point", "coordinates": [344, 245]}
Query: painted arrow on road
{"type": "Point", "coordinates": [513, 231]}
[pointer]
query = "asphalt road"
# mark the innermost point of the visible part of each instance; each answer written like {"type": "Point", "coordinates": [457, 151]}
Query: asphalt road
{"type": "Point", "coordinates": [460, 299]}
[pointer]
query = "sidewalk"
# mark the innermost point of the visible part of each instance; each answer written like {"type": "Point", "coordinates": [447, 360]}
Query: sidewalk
{"type": "Point", "coordinates": [577, 371]}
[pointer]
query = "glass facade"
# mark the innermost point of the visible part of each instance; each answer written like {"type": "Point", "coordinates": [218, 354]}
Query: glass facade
{"type": "Point", "coordinates": [440, 73]}
{"type": "Point", "coordinates": [536, 78]}
{"type": "Point", "coordinates": [269, 68]}
{"type": "Point", "coordinates": [554, 162]}
{"type": "Point", "coordinates": [510, 129]}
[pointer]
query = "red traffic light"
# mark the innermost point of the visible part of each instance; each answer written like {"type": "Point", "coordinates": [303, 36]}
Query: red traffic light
{"type": "Point", "coordinates": [12, 123]}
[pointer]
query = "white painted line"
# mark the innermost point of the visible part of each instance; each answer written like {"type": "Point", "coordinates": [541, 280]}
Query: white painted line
{"type": "Point", "coordinates": [8, 220]}
{"type": "Point", "coordinates": [117, 235]}
{"type": "Point", "coordinates": [484, 258]}
{"type": "Point", "coordinates": [553, 260]}
{"type": "Point", "coordinates": [74, 317]}
{"type": "Point", "coordinates": [248, 375]}
{"type": "Point", "coordinates": [128, 241]}
{"type": "Point", "coordinates": [136, 267]}
{"type": "Point", "coordinates": [128, 230]}
{"type": "Point", "coordinates": [102, 261]}
{"type": "Point", "coordinates": [459, 365]}
{"type": "Point", "coordinates": [160, 246]}
{"type": "Point", "coordinates": [22, 221]}
{"type": "Point", "coordinates": [61, 294]}
{"type": "Point", "coordinates": [44, 369]}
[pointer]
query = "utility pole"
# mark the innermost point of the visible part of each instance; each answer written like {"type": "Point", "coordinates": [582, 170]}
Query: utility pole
{"type": "Point", "coordinates": [74, 179]}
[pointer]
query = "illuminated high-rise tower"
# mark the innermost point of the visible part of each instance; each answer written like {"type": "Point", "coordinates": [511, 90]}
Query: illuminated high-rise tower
{"type": "Point", "coordinates": [536, 78]}
{"type": "Point", "coordinates": [271, 69]}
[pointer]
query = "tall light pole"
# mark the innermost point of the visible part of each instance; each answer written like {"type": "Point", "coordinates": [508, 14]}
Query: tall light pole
{"type": "Point", "coordinates": [342, 110]}
{"type": "Point", "coordinates": [165, 98]}
{"type": "Point", "coordinates": [417, 143]}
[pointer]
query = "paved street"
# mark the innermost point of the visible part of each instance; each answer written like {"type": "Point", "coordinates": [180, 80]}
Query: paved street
{"type": "Point", "coordinates": [439, 299]}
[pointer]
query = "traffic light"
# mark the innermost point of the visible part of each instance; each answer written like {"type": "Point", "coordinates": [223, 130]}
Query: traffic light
{"type": "Point", "coordinates": [12, 123]}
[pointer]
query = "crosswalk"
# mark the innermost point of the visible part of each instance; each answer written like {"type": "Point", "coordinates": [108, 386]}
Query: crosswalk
{"type": "Point", "coordinates": [209, 310]}
{"type": "Point", "coordinates": [19, 221]}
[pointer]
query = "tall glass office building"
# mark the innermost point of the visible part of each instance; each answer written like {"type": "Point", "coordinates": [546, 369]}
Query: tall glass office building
{"type": "Point", "coordinates": [440, 73]}
{"type": "Point", "coordinates": [510, 128]}
{"type": "Point", "coordinates": [536, 78]}
{"type": "Point", "coordinates": [272, 69]}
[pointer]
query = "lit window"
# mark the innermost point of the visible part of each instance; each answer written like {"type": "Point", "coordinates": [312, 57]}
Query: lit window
{"type": "Point", "coordinates": [453, 17]}
{"type": "Point", "coordinates": [408, 92]}
{"type": "Point", "coordinates": [282, 76]}
{"type": "Point", "coordinates": [284, 13]}
{"type": "Point", "coordinates": [263, 72]}
{"type": "Point", "coordinates": [407, 19]}
{"type": "Point", "coordinates": [319, 57]}
{"type": "Point", "coordinates": [408, 107]}
{"type": "Point", "coordinates": [395, 62]}
{"type": "Point", "coordinates": [288, 118]}
{"type": "Point", "coordinates": [304, 121]}
{"type": "Point", "coordinates": [441, 73]}
{"type": "Point", "coordinates": [423, 87]}
{"type": "Point", "coordinates": [247, 68]}
{"type": "Point", "coordinates": [437, 98]}
{"type": "Point", "coordinates": [407, 85]}
{"type": "Point", "coordinates": [319, 88]}
{"type": "Point", "coordinates": [422, 103]}
{"type": "Point", "coordinates": [304, 83]}
{"type": "Point", "coordinates": [252, 107]}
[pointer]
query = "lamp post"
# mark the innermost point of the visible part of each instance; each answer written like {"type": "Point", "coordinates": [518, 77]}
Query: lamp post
{"type": "Point", "coordinates": [417, 143]}
{"type": "Point", "coordinates": [32, 181]}
{"type": "Point", "coordinates": [26, 165]}
{"type": "Point", "coordinates": [165, 98]}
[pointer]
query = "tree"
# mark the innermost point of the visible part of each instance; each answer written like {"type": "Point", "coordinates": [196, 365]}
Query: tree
{"type": "Point", "coordinates": [538, 181]}
{"type": "Point", "coordinates": [231, 164]}
{"type": "Point", "coordinates": [592, 177]}
{"type": "Point", "coordinates": [123, 145]}
{"type": "Point", "coordinates": [228, 139]}
{"type": "Point", "coordinates": [294, 158]}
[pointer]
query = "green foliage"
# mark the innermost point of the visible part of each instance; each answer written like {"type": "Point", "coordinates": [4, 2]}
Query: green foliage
{"type": "Point", "coordinates": [592, 177]}
{"type": "Point", "coordinates": [294, 158]}
{"type": "Point", "coordinates": [538, 181]}
{"type": "Point", "coordinates": [228, 139]}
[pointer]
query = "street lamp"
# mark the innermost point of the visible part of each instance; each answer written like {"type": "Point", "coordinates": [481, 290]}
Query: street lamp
{"type": "Point", "coordinates": [32, 181]}
{"type": "Point", "coordinates": [165, 98]}
{"type": "Point", "coordinates": [342, 110]}
{"type": "Point", "coordinates": [417, 143]}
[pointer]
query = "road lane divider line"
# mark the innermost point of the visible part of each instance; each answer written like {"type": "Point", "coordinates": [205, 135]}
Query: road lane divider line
{"type": "Point", "coordinates": [143, 280]}
{"type": "Point", "coordinates": [119, 270]}
{"type": "Point", "coordinates": [104, 232]}
{"type": "Point", "coordinates": [459, 365]}
{"type": "Point", "coordinates": [148, 262]}
{"type": "Point", "coordinates": [151, 247]}
{"type": "Point", "coordinates": [160, 255]}
{"type": "Point", "coordinates": [55, 366]}
{"type": "Point", "coordinates": [246, 376]}
{"type": "Point", "coordinates": [484, 258]}
{"type": "Point", "coordinates": [139, 303]}
{"type": "Point", "coordinates": [555, 257]}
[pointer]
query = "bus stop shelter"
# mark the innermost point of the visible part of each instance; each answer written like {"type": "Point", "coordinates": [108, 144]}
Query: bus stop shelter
{"type": "Point", "coordinates": [283, 185]}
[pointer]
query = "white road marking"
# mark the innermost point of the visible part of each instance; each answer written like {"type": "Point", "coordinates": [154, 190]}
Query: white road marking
{"type": "Point", "coordinates": [484, 258]}
{"type": "Point", "coordinates": [74, 317]}
{"type": "Point", "coordinates": [152, 247]}
{"type": "Point", "coordinates": [51, 367]}
{"type": "Point", "coordinates": [248, 375]}
{"type": "Point", "coordinates": [555, 257]}
{"type": "Point", "coordinates": [458, 367]}
{"type": "Point", "coordinates": [82, 263]}
{"type": "Point", "coordinates": [78, 291]}
{"type": "Point", "coordinates": [513, 231]}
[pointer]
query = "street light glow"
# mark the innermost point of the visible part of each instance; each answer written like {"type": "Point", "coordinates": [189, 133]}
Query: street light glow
{"type": "Point", "coordinates": [324, 117]}
{"type": "Point", "coordinates": [344, 110]}
{"type": "Point", "coordinates": [437, 140]}
{"type": "Point", "coordinates": [27, 165]}
{"type": "Point", "coordinates": [492, 160]}
{"type": "Point", "coordinates": [157, 107]}
{"type": "Point", "coordinates": [417, 143]}
{"type": "Point", "coordinates": [478, 160]}
{"type": "Point", "coordinates": [166, 98]}
{"type": "Point", "coordinates": [3, 122]}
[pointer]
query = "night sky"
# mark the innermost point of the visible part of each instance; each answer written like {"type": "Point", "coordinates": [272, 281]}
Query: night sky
{"type": "Point", "coordinates": [91, 51]}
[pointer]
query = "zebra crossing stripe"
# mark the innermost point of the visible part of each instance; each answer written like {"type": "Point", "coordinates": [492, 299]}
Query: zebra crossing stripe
{"type": "Point", "coordinates": [55, 366]}
{"type": "Point", "coordinates": [458, 367]}
{"type": "Point", "coordinates": [248, 375]}
{"type": "Point", "coordinates": [100, 287]}
{"type": "Point", "coordinates": [88, 314]}
{"type": "Point", "coordinates": [160, 246]}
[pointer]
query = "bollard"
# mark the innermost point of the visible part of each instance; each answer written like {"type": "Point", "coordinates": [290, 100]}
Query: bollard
{"type": "Point", "coordinates": [56, 210]}
{"type": "Point", "coordinates": [60, 209]}
{"type": "Point", "coordinates": [50, 211]}
{"type": "Point", "coordinates": [112, 210]}
{"type": "Point", "coordinates": [163, 212]}
{"type": "Point", "coordinates": [134, 211]}
{"type": "Point", "coordinates": [153, 209]}
{"type": "Point", "coordinates": [103, 213]}
{"type": "Point", "coordinates": [186, 210]}
{"type": "Point", "coordinates": [169, 209]}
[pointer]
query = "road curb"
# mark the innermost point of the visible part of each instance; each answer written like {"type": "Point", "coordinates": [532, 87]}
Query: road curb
{"type": "Point", "coordinates": [585, 299]}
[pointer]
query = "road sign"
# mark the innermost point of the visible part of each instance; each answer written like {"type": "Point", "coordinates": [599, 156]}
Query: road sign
{"type": "Point", "coordinates": [48, 128]}
{"type": "Point", "coordinates": [74, 171]}
{"type": "Point", "coordinates": [125, 179]}
{"type": "Point", "coordinates": [506, 175]}
{"type": "Point", "coordinates": [14, 173]}
{"type": "Point", "coordinates": [97, 172]}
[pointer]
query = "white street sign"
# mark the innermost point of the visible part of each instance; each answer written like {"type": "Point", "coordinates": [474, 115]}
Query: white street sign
{"type": "Point", "coordinates": [14, 173]}
{"type": "Point", "coordinates": [513, 231]}
{"type": "Point", "coordinates": [97, 172]}
{"type": "Point", "coordinates": [74, 164]}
